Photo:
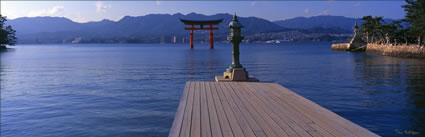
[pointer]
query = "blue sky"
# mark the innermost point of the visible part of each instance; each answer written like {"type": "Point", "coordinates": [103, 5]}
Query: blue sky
{"type": "Point", "coordinates": [84, 11]}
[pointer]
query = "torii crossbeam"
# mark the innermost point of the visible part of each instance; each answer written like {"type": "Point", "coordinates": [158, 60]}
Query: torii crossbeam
{"type": "Point", "coordinates": [201, 24]}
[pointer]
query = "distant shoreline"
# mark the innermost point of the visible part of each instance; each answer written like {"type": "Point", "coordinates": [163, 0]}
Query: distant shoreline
{"type": "Point", "coordinates": [203, 44]}
{"type": "Point", "coordinates": [217, 42]}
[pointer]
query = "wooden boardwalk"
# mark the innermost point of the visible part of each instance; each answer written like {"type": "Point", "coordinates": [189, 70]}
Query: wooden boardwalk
{"type": "Point", "coordinates": [248, 109]}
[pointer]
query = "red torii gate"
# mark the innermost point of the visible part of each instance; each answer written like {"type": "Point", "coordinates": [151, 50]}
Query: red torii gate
{"type": "Point", "coordinates": [201, 23]}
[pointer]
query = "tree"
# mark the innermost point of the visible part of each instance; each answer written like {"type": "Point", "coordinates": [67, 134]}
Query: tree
{"type": "Point", "coordinates": [379, 28]}
{"type": "Point", "coordinates": [367, 27]}
{"type": "Point", "coordinates": [11, 37]}
{"type": "Point", "coordinates": [398, 33]}
{"type": "Point", "coordinates": [415, 15]}
{"type": "Point", "coordinates": [7, 35]}
{"type": "Point", "coordinates": [372, 27]}
{"type": "Point", "coordinates": [409, 30]}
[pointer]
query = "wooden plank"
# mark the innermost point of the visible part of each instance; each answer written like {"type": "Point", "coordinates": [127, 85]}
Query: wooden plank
{"type": "Point", "coordinates": [267, 116]}
{"type": "Point", "coordinates": [178, 120]}
{"type": "Point", "coordinates": [299, 110]}
{"type": "Point", "coordinates": [195, 130]}
{"type": "Point", "coordinates": [258, 131]}
{"type": "Point", "coordinates": [346, 124]}
{"type": "Point", "coordinates": [321, 130]}
{"type": "Point", "coordinates": [215, 124]}
{"type": "Point", "coordinates": [330, 124]}
{"type": "Point", "coordinates": [349, 125]}
{"type": "Point", "coordinates": [246, 128]}
{"type": "Point", "coordinates": [298, 122]}
{"type": "Point", "coordinates": [187, 118]}
{"type": "Point", "coordinates": [224, 122]}
{"type": "Point", "coordinates": [299, 117]}
{"type": "Point", "coordinates": [237, 130]}
{"type": "Point", "coordinates": [277, 113]}
{"type": "Point", "coordinates": [205, 118]}
{"type": "Point", "coordinates": [262, 120]}
{"type": "Point", "coordinates": [233, 109]}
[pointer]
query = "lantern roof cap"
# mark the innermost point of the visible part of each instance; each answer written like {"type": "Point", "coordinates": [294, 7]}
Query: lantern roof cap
{"type": "Point", "coordinates": [235, 22]}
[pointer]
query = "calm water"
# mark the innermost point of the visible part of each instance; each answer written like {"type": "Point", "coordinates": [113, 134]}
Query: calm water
{"type": "Point", "coordinates": [134, 90]}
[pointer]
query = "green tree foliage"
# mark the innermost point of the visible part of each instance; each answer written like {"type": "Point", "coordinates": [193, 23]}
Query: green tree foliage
{"type": "Point", "coordinates": [367, 27]}
{"type": "Point", "coordinates": [373, 29]}
{"type": "Point", "coordinates": [415, 15]}
{"type": "Point", "coordinates": [405, 31]}
{"type": "Point", "coordinates": [398, 33]}
{"type": "Point", "coordinates": [7, 34]}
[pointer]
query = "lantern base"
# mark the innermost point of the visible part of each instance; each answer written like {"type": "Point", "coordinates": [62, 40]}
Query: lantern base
{"type": "Point", "coordinates": [238, 74]}
{"type": "Point", "coordinates": [222, 79]}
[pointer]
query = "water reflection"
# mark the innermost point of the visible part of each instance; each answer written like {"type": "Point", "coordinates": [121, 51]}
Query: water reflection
{"type": "Point", "coordinates": [378, 71]}
{"type": "Point", "coordinates": [211, 62]}
{"type": "Point", "coordinates": [190, 62]}
{"type": "Point", "coordinates": [416, 93]}
{"type": "Point", "coordinates": [204, 63]}
{"type": "Point", "coordinates": [1, 74]}
{"type": "Point", "coordinates": [395, 92]}
{"type": "Point", "coordinates": [2, 56]}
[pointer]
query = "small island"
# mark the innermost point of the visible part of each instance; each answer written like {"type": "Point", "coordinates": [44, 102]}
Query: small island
{"type": "Point", "coordinates": [401, 38]}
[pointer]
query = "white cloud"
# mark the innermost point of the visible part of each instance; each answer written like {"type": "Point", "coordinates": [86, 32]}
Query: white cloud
{"type": "Point", "coordinates": [307, 10]}
{"type": "Point", "coordinates": [100, 7]}
{"type": "Point", "coordinates": [158, 2]}
{"type": "Point", "coordinates": [79, 18]}
{"type": "Point", "coordinates": [54, 11]}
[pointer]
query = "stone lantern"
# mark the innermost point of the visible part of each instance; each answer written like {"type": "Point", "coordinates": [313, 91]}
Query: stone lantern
{"type": "Point", "coordinates": [235, 38]}
{"type": "Point", "coordinates": [235, 72]}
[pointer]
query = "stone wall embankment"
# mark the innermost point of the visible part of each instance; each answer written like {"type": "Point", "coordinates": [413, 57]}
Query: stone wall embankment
{"type": "Point", "coordinates": [340, 46]}
{"type": "Point", "coordinates": [407, 51]}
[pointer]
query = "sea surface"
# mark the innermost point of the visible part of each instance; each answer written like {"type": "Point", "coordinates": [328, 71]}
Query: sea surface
{"type": "Point", "coordinates": [134, 89]}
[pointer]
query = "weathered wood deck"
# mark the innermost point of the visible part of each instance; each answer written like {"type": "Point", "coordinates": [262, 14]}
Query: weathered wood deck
{"type": "Point", "coordinates": [238, 109]}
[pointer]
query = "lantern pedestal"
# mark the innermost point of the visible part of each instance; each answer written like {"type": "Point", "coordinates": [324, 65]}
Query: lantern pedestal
{"type": "Point", "coordinates": [238, 74]}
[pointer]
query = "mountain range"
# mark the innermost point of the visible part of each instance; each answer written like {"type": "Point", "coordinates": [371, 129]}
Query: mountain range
{"type": "Point", "coordinates": [155, 28]}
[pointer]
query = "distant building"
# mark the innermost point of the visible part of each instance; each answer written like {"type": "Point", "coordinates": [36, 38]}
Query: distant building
{"type": "Point", "coordinates": [174, 40]}
{"type": "Point", "coordinates": [76, 40]}
{"type": "Point", "coordinates": [162, 41]}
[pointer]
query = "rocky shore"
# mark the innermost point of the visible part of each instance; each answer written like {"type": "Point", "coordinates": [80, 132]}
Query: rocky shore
{"type": "Point", "coordinates": [407, 51]}
{"type": "Point", "coordinates": [341, 46]}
